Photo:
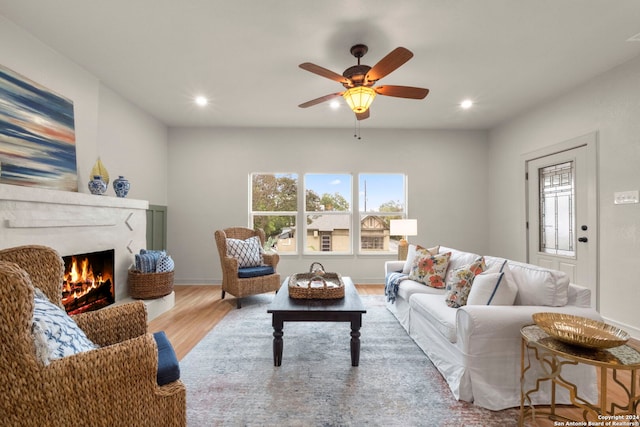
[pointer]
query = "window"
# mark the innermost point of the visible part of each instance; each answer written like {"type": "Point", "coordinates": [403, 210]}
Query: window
{"type": "Point", "coordinates": [557, 209]}
{"type": "Point", "coordinates": [328, 213]}
{"type": "Point", "coordinates": [325, 218]}
{"type": "Point", "coordinates": [382, 198]}
{"type": "Point", "coordinates": [274, 208]}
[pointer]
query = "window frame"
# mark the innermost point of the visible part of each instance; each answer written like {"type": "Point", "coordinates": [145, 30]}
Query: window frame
{"type": "Point", "coordinates": [355, 213]}
{"type": "Point", "coordinates": [320, 235]}
{"type": "Point", "coordinates": [362, 213]}
{"type": "Point", "coordinates": [294, 214]}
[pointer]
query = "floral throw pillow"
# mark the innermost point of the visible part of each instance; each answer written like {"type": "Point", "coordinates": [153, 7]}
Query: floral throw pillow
{"type": "Point", "coordinates": [459, 282]}
{"type": "Point", "coordinates": [430, 269]}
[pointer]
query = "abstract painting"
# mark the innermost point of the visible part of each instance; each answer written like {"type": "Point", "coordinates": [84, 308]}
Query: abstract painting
{"type": "Point", "coordinates": [37, 135]}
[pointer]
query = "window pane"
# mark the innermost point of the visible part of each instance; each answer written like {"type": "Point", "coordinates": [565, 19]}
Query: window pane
{"type": "Point", "coordinates": [280, 231]}
{"type": "Point", "coordinates": [382, 198]}
{"type": "Point", "coordinates": [374, 233]}
{"type": "Point", "coordinates": [328, 233]}
{"type": "Point", "coordinates": [274, 192]}
{"type": "Point", "coordinates": [327, 192]}
{"type": "Point", "coordinates": [382, 192]}
{"type": "Point", "coordinates": [557, 209]}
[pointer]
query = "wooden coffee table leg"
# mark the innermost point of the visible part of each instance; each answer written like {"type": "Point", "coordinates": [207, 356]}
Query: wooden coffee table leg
{"type": "Point", "coordinates": [277, 340]}
{"type": "Point", "coordinates": [356, 323]}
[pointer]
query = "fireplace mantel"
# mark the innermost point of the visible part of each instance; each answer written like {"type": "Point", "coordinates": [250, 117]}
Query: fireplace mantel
{"type": "Point", "coordinates": [74, 223]}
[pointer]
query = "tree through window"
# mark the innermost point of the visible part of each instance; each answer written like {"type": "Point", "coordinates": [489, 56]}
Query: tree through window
{"type": "Point", "coordinates": [274, 208]}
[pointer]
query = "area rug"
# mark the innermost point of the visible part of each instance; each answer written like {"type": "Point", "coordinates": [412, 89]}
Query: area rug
{"type": "Point", "coordinates": [231, 380]}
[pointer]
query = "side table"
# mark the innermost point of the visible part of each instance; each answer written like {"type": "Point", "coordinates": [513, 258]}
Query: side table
{"type": "Point", "coordinates": [552, 355]}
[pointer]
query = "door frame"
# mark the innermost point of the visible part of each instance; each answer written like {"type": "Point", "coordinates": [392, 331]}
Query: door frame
{"type": "Point", "coordinates": [590, 141]}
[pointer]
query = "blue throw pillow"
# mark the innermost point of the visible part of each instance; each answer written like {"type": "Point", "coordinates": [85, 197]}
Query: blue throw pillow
{"type": "Point", "coordinates": [165, 263]}
{"type": "Point", "coordinates": [168, 367]}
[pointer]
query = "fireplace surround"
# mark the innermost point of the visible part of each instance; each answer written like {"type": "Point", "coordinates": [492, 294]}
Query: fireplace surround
{"type": "Point", "coordinates": [75, 223]}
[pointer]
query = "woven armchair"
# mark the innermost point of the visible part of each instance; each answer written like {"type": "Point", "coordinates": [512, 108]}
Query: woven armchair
{"type": "Point", "coordinates": [242, 287]}
{"type": "Point", "coordinates": [114, 385]}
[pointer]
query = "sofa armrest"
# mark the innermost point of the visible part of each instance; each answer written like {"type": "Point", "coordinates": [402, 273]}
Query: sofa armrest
{"type": "Point", "coordinates": [483, 329]}
{"type": "Point", "coordinates": [395, 266]}
{"type": "Point", "coordinates": [114, 324]}
{"type": "Point", "coordinates": [579, 295]}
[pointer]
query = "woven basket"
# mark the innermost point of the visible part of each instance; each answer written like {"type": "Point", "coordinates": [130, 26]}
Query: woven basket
{"type": "Point", "coordinates": [301, 284]}
{"type": "Point", "coordinates": [149, 285]}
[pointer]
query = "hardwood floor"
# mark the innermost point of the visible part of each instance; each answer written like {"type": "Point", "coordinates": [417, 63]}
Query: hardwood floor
{"type": "Point", "coordinates": [199, 308]}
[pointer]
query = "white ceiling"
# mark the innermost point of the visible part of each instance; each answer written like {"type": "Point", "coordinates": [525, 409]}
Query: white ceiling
{"type": "Point", "coordinates": [506, 55]}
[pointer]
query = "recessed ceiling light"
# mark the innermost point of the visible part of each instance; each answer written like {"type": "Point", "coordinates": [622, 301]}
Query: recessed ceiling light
{"type": "Point", "coordinates": [201, 101]}
{"type": "Point", "coordinates": [334, 104]}
{"type": "Point", "coordinates": [466, 104]}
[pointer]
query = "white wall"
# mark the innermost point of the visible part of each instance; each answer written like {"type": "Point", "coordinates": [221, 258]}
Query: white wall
{"type": "Point", "coordinates": [208, 187]}
{"type": "Point", "coordinates": [133, 144]}
{"type": "Point", "coordinates": [129, 141]}
{"type": "Point", "coordinates": [610, 105]}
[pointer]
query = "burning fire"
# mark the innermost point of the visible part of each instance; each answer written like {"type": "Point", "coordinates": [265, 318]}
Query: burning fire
{"type": "Point", "coordinates": [80, 280]}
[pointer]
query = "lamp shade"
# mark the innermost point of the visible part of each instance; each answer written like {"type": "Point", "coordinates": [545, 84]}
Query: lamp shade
{"type": "Point", "coordinates": [404, 227]}
{"type": "Point", "coordinates": [359, 98]}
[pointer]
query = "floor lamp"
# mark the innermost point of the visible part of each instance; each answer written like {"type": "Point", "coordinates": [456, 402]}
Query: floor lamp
{"type": "Point", "coordinates": [404, 228]}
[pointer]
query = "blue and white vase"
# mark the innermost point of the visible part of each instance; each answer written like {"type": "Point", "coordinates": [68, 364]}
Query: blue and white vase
{"type": "Point", "coordinates": [121, 186]}
{"type": "Point", "coordinates": [97, 185]}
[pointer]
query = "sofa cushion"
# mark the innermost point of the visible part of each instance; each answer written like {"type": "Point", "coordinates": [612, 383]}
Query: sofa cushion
{"type": "Point", "coordinates": [459, 282]}
{"type": "Point", "coordinates": [429, 269]}
{"type": "Point", "coordinates": [539, 285]}
{"type": "Point", "coordinates": [261, 270]}
{"type": "Point", "coordinates": [55, 334]}
{"type": "Point", "coordinates": [458, 258]}
{"type": "Point", "coordinates": [248, 252]}
{"type": "Point", "coordinates": [435, 310]}
{"type": "Point", "coordinates": [168, 366]}
{"type": "Point", "coordinates": [410, 287]}
{"type": "Point", "coordinates": [493, 288]}
{"type": "Point", "coordinates": [411, 255]}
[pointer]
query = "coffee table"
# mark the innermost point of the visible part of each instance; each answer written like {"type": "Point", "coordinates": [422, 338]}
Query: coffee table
{"type": "Point", "coordinates": [287, 309]}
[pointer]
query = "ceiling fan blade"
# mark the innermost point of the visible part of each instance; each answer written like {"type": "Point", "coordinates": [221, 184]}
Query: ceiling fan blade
{"type": "Point", "coordinates": [321, 71]}
{"type": "Point", "coordinates": [319, 100]}
{"type": "Point", "coordinates": [389, 63]}
{"type": "Point", "coordinates": [363, 115]}
{"type": "Point", "coordinates": [402, 91]}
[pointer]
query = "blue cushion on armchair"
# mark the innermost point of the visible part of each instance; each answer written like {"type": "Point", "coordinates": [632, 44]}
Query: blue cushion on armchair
{"type": "Point", "coordinates": [261, 270]}
{"type": "Point", "coordinates": [168, 367]}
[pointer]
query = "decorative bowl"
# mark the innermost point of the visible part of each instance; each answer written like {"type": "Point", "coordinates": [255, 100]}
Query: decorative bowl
{"type": "Point", "coordinates": [580, 331]}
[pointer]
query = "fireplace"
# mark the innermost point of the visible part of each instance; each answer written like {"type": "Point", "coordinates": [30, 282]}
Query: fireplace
{"type": "Point", "coordinates": [75, 223]}
{"type": "Point", "coordinates": [88, 281]}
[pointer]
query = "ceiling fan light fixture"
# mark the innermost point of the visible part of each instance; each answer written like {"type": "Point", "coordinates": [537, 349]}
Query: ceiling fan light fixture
{"type": "Point", "coordinates": [359, 98]}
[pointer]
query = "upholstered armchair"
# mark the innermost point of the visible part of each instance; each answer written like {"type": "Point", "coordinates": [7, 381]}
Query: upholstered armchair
{"type": "Point", "coordinates": [112, 385]}
{"type": "Point", "coordinates": [241, 280]}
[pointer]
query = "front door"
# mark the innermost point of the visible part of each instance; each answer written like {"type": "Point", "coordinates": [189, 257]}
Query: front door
{"type": "Point", "coordinates": [562, 230]}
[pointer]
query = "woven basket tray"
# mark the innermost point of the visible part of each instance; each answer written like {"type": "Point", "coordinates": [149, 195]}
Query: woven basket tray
{"type": "Point", "coordinates": [317, 284]}
{"type": "Point", "coordinates": [149, 285]}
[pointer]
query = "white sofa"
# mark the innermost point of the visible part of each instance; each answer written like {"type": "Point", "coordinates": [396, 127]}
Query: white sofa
{"type": "Point", "coordinates": [477, 348]}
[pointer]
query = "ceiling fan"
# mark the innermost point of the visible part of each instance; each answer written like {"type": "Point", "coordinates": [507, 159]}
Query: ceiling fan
{"type": "Point", "coordinates": [359, 81]}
